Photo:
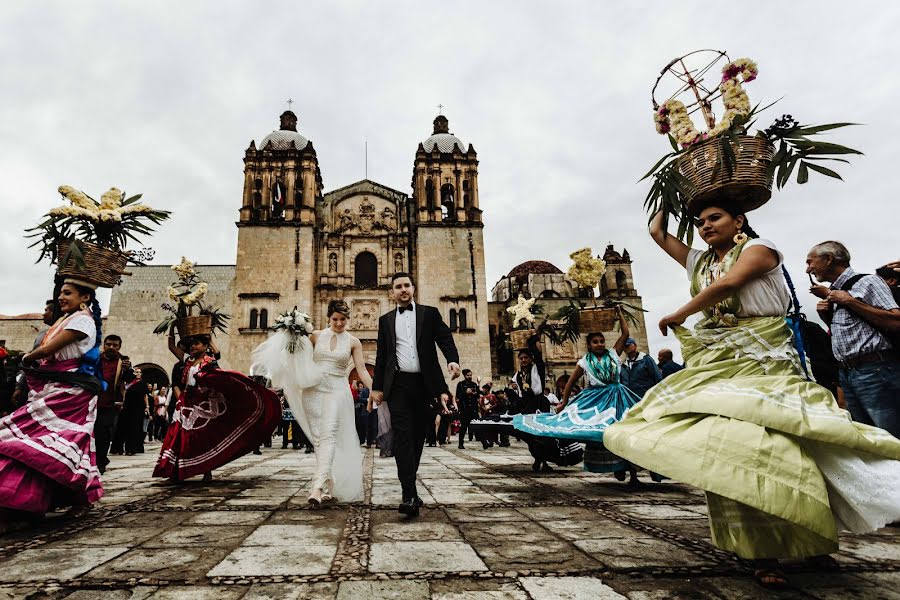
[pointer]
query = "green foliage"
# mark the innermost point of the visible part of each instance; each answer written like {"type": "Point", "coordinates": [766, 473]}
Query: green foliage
{"type": "Point", "coordinates": [671, 190]}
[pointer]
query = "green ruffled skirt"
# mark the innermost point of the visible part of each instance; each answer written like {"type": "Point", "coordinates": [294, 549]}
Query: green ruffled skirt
{"type": "Point", "coordinates": [783, 466]}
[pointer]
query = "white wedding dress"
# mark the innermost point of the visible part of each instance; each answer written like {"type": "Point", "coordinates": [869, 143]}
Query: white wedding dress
{"type": "Point", "coordinates": [314, 381]}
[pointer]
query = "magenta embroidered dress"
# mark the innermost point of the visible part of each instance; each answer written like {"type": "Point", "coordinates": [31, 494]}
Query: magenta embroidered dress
{"type": "Point", "coordinates": [47, 455]}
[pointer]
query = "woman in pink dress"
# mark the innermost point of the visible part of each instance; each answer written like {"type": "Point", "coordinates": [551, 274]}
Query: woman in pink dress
{"type": "Point", "coordinates": [47, 458]}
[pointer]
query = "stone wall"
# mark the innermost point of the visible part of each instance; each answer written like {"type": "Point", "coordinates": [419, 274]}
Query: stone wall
{"type": "Point", "coordinates": [451, 276]}
{"type": "Point", "coordinates": [275, 272]}
{"type": "Point", "coordinates": [18, 333]}
{"type": "Point", "coordinates": [134, 311]}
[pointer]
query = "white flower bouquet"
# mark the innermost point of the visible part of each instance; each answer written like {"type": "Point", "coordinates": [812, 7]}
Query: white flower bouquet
{"type": "Point", "coordinates": [296, 324]}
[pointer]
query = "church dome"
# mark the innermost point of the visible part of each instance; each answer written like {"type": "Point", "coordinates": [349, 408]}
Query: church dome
{"type": "Point", "coordinates": [534, 267]}
{"type": "Point", "coordinates": [442, 138]}
{"type": "Point", "coordinates": [281, 138]}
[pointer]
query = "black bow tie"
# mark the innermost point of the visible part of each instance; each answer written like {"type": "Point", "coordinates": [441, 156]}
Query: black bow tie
{"type": "Point", "coordinates": [403, 309]}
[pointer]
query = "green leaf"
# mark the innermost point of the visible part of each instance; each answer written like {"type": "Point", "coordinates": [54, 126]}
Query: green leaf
{"type": "Point", "coordinates": [673, 143]}
{"type": "Point", "coordinates": [803, 173]}
{"type": "Point", "coordinates": [814, 129]}
{"type": "Point", "coordinates": [656, 166]}
{"type": "Point", "coordinates": [824, 171]}
{"type": "Point", "coordinates": [817, 147]}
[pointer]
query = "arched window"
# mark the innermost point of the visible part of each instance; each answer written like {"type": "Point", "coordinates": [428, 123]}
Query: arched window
{"type": "Point", "coordinates": [549, 294]}
{"type": "Point", "coordinates": [332, 263]}
{"type": "Point", "coordinates": [278, 198]}
{"type": "Point", "coordinates": [257, 199]}
{"type": "Point", "coordinates": [264, 319]}
{"type": "Point", "coordinates": [462, 319]}
{"type": "Point", "coordinates": [448, 202]}
{"type": "Point", "coordinates": [254, 318]}
{"type": "Point", "coordinates": [604, 287]}
{"type": "Point", "coordinates": [429, 194]}
{"type": "Point", "coordinates": [453, 322]}
{"type": "Point", "coordinates": [366, 270]}
{"type": "Point", "coordinates": [621, 282]}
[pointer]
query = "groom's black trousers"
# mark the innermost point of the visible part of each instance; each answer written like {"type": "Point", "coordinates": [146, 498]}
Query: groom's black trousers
{"type": "Point", "coordinates": [409, 420]}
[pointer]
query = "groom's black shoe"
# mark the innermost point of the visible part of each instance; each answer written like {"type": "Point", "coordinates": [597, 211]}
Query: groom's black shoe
{"type": "Point", "coordinates": [411, 507]}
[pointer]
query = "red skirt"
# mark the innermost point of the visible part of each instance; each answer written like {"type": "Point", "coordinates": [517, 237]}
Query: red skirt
{"type": "Point", "coordinates": [223, 417]}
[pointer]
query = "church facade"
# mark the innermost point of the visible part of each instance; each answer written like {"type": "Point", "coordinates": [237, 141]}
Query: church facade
{"type": "Point", "coordinates": [299, 245]}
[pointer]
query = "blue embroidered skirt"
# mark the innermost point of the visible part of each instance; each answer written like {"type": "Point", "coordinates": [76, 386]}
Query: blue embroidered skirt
{"type": "Point", "coordinates": [585, 419]}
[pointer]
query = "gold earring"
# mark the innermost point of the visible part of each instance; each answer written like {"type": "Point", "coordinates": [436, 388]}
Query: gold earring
{"type": "Point", "coordinates": [740, 237]}
{"type": "Point", "coordinates": [83, 306]}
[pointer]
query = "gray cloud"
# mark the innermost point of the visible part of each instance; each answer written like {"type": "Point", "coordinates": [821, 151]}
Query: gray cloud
{"type": "Point", "coordinates": [163, 98]}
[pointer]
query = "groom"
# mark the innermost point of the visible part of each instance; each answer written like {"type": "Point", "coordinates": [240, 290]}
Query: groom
{"type": "Point", "coordinates": [407, 375]}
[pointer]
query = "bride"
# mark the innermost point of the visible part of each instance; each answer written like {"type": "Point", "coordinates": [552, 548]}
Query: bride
{"type": "Point", "coordinates": [314, 380]}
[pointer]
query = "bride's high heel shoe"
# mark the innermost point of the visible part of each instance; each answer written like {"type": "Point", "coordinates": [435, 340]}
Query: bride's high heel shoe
{"type": "Point", "coordinates": [315, 497]}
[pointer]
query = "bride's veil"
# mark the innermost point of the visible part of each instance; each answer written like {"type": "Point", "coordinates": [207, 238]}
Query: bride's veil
{"type": "Point", "coordinates": [294, 372]}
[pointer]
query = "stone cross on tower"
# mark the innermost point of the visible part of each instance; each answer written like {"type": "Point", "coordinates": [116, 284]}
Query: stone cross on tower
{"type": "Point", "coordinates": [440, 109]}
{"type": "Point", "coordinates": [289, 102]}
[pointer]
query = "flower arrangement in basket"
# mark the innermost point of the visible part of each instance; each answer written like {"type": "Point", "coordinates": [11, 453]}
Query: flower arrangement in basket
{"type": "Point", "coordinates": [187, 294]}
{"type": "Point", "coordinates": [297, 324]}
{"type": "Point", "coordinates": [523, 318]}
{"type": "Point", "coordinates": [87, 239]}
{"type": "Point", "coordinates": [577, 318]}
{"type": "Point", "coordinates": [726, 163]}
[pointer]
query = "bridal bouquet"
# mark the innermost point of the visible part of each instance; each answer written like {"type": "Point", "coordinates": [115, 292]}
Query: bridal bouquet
{"type": "Point", "coordinates": [296, 324]}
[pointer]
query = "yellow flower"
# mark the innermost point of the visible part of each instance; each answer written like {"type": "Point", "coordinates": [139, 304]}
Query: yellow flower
{"type": "Point", "coordinates": [586, 270]}
{"type": "Point", "coordinates": [111, 199]}
{"type": "Point", "coordinates": [77, 198]}
{"type": "Point", "coordinates": [184, 269]}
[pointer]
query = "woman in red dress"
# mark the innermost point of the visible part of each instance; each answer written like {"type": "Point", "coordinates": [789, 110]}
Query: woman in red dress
{"type": "Point", "coordinates": [220, 416]}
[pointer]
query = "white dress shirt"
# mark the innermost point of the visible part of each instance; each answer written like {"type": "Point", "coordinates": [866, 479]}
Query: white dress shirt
{"type": "Point", "coordinates": [405, 330]}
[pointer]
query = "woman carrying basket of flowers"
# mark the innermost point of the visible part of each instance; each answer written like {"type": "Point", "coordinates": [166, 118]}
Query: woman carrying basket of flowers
{"type": "Point", "coordinates": [221, 415]}
{"type": "Point", "coordinates": [783, 467]}
{"type": "Point", "coordinates": [47, 456]}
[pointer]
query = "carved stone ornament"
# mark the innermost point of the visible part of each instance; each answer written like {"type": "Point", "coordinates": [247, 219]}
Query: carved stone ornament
{"type": "Point", "coordinates": [367, 217]}
{"type": "Point", "coordinates": [365, 315]}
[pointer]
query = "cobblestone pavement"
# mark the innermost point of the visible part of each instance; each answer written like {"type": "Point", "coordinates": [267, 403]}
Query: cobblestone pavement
{"type": "Point", "coordinates": [492, 529]}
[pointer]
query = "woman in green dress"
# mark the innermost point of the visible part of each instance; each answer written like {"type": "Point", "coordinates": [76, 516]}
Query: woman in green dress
{"type": "Point", "coordinates": [783, 467]}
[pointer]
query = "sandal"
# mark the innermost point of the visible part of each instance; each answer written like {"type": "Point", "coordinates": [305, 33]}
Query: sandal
{"type": "Point", "coordinates": [769, 575]}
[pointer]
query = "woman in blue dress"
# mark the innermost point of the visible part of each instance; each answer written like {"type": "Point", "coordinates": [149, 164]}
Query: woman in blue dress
{"type": "Point", "coordinates": [599, 405]}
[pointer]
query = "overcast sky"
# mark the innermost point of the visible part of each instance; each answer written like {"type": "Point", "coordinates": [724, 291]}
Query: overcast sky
{"type": "Point", "coordinates": [163, 97]}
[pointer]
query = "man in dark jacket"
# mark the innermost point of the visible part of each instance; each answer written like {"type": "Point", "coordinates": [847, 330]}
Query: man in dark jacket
{"type": "Point", "coordinates": [667, 364]}
{"type": "Point", "coordinates": [467, 400]}
{"type": "Point", "coordinates": [639, 373]}
{"type": "Point", "coordinates": [407, 373]}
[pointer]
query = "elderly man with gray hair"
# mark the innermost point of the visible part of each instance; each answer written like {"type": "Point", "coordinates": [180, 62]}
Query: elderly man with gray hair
{"type": "Point", "coordinates": [863, 317]}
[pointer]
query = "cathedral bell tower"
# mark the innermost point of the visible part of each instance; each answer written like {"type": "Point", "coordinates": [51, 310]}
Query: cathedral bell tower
{"type": "Point", "coordinates": [275, 256]}
{"type": "Point", "coordinates": [448, 264]}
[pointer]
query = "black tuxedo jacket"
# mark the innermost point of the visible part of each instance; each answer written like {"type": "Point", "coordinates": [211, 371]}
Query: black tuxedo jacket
{"type": "Point", "coordinates": [430, 330]}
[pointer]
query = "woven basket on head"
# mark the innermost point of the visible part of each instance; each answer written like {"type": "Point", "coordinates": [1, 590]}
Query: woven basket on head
{"type": "Point", "coordinates": [591, 320]}
{"type": "Point", "coordinates": [197, 325]}
{"type": "Point", "coordinates": [750, 183]}
{"type": "Point", "coordinates": [520, 337]}
{"type": "Point", "coordinates": [102, 266]}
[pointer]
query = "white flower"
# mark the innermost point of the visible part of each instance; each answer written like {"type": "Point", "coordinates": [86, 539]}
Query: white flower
{"type": "Point", "coordinates": [289, 321]}
{"type": "Point", "coordinates": [111, 199]}
{"type": "Point", "coordinates": [308, 327]}
{"type": "Point", "coordinates": [173, 293]}
{"type": "Point", "coordinates": [522, 311]}
{"type": "Point", "coordinates": [184, 269]}
{"type": "Point", "coordinates": [77, 197]}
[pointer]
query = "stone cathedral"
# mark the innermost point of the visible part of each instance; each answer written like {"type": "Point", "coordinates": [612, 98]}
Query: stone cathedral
{"type": "Point", "coordinates": [299, 245]}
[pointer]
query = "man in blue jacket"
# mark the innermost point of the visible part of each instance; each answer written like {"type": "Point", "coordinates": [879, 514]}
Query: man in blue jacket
{"type": "Point", "coordinates": [639, 372]}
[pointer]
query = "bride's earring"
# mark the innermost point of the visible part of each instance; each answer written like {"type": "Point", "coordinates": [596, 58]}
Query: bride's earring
{"type": "Point", "coordinates": [740, 237]}
{"type": "Point", "coordinates": [83, 306]}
